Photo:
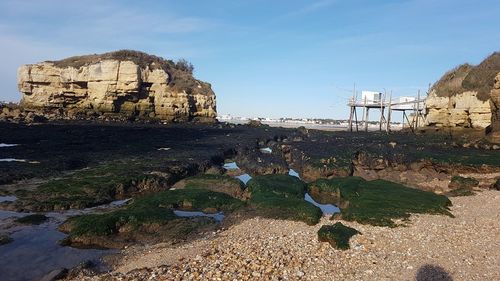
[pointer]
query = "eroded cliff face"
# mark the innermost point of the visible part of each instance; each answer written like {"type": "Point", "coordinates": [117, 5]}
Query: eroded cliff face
{"type": "Point", "coordinates": [462, 110]}
{"type": "Point", "coordinates": [464, 96]}
{"type": "Point", "coordinates": [495, 120]}
{"type": "Point", "coordinates": [123, 84]}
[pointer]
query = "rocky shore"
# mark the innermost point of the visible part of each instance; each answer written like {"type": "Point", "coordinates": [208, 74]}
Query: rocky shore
{"type": "Point", "coordinates": [431, 247]}
{"type": "Point", "coordinates": [269, 228]}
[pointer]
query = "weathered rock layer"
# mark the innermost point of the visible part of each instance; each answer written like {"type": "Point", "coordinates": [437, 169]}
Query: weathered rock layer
{"type": "Point", "coordinates": [465, 96]}
{"type": "Point", "coordinates": [122, 84]}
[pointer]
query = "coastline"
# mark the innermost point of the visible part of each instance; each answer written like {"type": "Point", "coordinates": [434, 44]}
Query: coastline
{"type": "Point", "coordinates": [466, 247]}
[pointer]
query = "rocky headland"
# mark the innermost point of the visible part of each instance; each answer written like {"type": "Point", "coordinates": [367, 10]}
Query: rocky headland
{"type": "Point", "coordinates": [121, 85]}
{"type": "Point", "coordinates": [467, 97]}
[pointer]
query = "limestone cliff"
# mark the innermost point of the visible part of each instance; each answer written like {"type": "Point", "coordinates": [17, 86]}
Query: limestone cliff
{"type": "Point", "coordinates": [117, 85]}
{"type": "Point", "coordinates": [463, 96]}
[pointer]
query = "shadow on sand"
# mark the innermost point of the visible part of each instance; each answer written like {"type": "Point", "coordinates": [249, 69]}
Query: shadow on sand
{"type": "Point", "coordinates": [431, 272]}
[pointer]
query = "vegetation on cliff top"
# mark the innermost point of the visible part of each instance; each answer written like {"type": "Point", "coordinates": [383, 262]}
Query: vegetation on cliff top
{"type": "Point", "coordinates": [180, 72]}
{"type": "Point", "coordinates": [377, 202]}
{"type": "Point", "coordinates": [467, 77]}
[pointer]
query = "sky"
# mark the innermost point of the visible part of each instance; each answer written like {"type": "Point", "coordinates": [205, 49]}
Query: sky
{"type": "Point", "coordinates": [267, 58]}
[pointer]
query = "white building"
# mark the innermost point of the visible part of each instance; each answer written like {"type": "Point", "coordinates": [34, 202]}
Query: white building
{"type": "Point", "coordinates": [371, 97]}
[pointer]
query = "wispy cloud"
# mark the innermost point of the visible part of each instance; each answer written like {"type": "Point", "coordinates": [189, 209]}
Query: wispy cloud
{"type": "Point", "coordinates": [310, 8]}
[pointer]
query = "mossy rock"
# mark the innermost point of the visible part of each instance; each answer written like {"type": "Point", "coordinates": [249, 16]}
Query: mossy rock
{"type": "Point", "coordinates": [282, 197]}
{"type": "Point", "coordinates": [496, 185]}
{"type": "Point", "coordinates": [462, 182]}
{"type": "Point", "coordinates": [377, 202]}
{"type": "Point", "coordinates": [217, 183]}
{"type": "Point", "coordinates": [338, 235]}
{"type": "Point", "coordinates": [151, 209]}
{"type": "Point", "coordinates": [32, 219]}
{"type": "Point", "coordinates": [462, 191]}
{"type": "Point", "coordinates": [92, 187]}
{"type": "Point", "coordinates": [287, 209]}
{"type": "Point", "coordinates": [277, 185]}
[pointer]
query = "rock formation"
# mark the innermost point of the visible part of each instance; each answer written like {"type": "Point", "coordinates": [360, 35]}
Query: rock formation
{"type": "Point", "coordinates": [495, 119]}
{"type": "Point", "coordinates": [463, 97]}
{"type": "Point", "coordinates": [117, 85]}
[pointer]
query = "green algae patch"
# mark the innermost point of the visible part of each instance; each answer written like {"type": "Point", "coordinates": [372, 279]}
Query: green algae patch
{"type": "Point", "coordinates": [338, 235]}
{"type": "Point", "coordinates": [282, 197]}
{"type": "Point", "coordinates": [32, 219]}
{"type": "Point", "coordinates": [377, 202]}
{"type": "Point", "coordinates": [463, 182]}
{"type": "Point", "coordinates": [462, 186]}
{"type": "Point", "coordinates": [92, 187]}
{"type": "Point", "coordinates": [191, 200]}
{"type": "Point", "coordinates": [217, 183]}
{"type": "Point", "coordinates": [153, 209]}
{"type": "Point", "coordinates": [277, 185]}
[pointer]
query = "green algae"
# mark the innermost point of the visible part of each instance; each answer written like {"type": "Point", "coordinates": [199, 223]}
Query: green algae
{"type": "Point", "coordinates": [459, 181]}
{"type": "Point", "coordinates": [462, 186]}
{"type": "Point", "coordinates": [277, 185]}
{"type": "Point", "coordinates": [207, 180]}
{"type": "Point", "coordinates": [91, 187]}
{"type": "Point", "coordinates": [152, 209]}
{"type": "Point", "coordinates": [282, 197]}
{"type": "Point", "coordinates": [377, 202]}
{"type": "Point", "coordinates": [338, 235]}
{"type": "Point", "coordinates": [218, 183]}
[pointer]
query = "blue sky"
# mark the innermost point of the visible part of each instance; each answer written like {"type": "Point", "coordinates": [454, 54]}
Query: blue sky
{"type": "Point", "coordinates": [283, 58]}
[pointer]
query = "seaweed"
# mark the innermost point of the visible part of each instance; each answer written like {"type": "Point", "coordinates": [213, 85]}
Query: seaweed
{"type": "Point", "coordinates": [377, 202]}
{"type": "Point", "coordinates": [152, 209]}
{"type": "Point", "coordinates": [337, 235]}
{"type": "Point", "coordinates": [282, 197]}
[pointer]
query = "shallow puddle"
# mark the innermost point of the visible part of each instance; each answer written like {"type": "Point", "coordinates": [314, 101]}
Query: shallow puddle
{"type": "Point", "coordinates": [7, 144]}
{"type": "Point", "coordinates": [35, 252]}
{"type": "Point", "coordinates": [266, 150]}
{"type": "Point", "coordinates": [35, 249]}
{"type": "Point", "coordinates": [7, 198]}
{"type": "Point", "coordinates": [244, 178]}
{"type": "Point", "coordinates": [18, 160]}
{"type": "Point", "coordinates": [230, 166]}
{"type": "Point", "coordinates": [327, 209]}
{"type": "Point", "coordinates": [217, 216]}
{"type": "Point", "coordinates": [293, 173]}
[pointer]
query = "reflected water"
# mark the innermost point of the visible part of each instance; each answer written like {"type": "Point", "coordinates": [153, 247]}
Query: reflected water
{"type": "Point", "coordinates": [189, 214]}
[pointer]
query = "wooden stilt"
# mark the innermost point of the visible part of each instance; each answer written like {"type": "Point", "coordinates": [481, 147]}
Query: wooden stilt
{"type": "Point", "coordinates": [388, 127]}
